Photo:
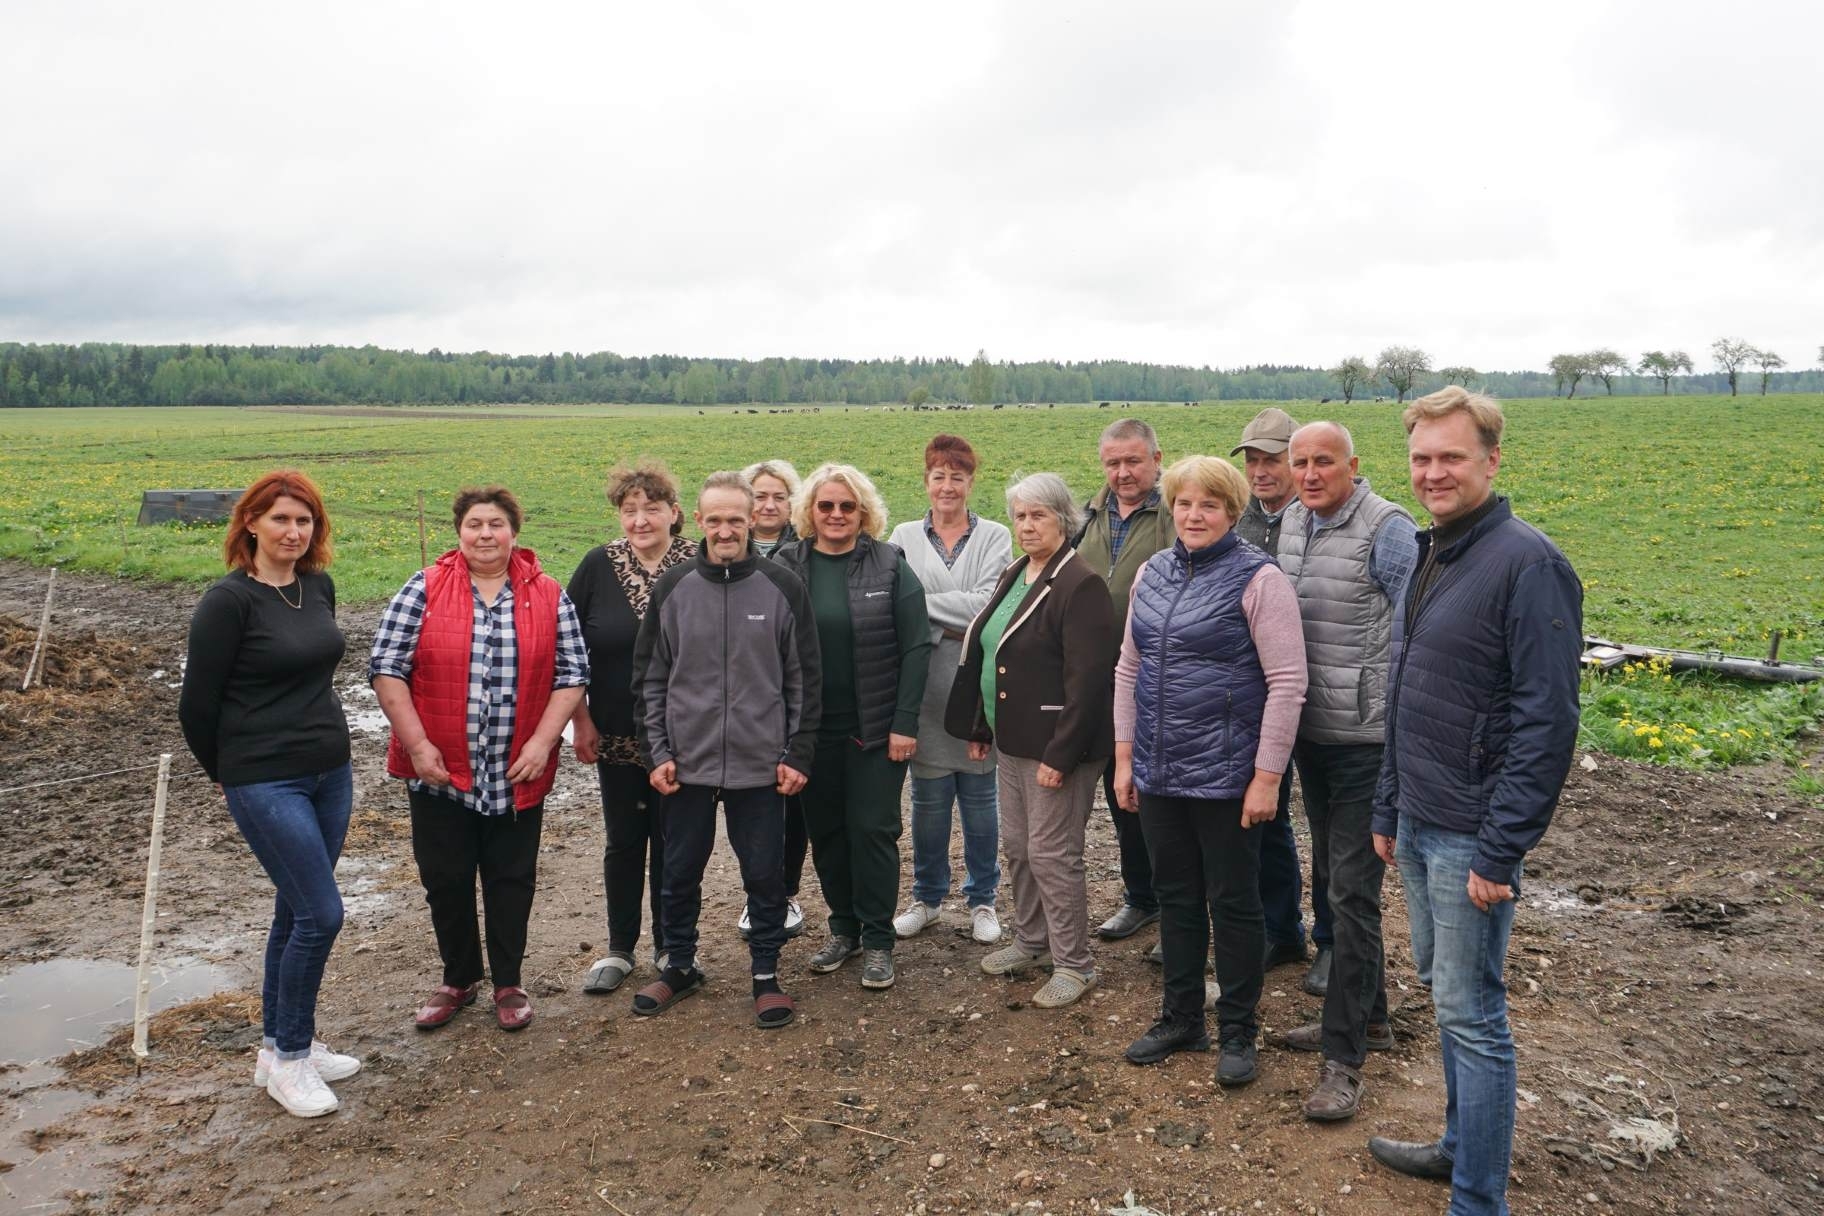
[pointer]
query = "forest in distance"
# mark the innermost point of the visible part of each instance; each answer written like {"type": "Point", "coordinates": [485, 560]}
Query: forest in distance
{"type": "Point", "coordinates": [117, 374]}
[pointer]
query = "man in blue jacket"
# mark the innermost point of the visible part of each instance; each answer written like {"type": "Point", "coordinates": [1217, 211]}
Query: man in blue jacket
{"type": "Point", "coordinates": [1481, 722]}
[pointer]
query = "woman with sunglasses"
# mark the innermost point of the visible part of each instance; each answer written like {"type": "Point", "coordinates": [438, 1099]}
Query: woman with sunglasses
{"type": "Point", "coordinates": [875, 638]}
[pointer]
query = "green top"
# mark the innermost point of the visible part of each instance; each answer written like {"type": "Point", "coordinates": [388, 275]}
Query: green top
{"type": "Point", "coordinates": [836, 632]}
{"type": "Point", "coordinates": [992, 631]}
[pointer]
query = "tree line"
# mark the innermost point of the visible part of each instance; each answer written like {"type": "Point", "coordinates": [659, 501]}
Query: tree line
{"type": "Point", "coordinates": [1732, 357]}
{"type": "Point", "coordinates": [110, 373]}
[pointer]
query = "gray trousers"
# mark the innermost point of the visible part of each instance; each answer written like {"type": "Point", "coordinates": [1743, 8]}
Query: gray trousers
{"type": "Point", "coordinates": [1042, 837]}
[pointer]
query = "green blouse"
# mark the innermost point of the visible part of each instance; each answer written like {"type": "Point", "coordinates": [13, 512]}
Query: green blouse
{"type": "Point", "coordinates": [992, 631]}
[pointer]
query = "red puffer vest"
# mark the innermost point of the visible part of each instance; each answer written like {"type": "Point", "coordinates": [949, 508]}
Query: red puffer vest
{"type": "Point", "coordinates": [440, 668]}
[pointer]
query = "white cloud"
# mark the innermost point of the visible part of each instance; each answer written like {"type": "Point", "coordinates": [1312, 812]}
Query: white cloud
{"type": "Point", "coordinates": [1193, 183]}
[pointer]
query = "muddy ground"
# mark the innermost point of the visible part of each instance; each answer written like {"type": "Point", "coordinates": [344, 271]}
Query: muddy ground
{"type": "Point", "coordinates": [1665, 975]}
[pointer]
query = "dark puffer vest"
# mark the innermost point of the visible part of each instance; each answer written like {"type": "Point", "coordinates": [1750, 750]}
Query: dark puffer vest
{"type": "Point", "coordinates": [1200, 693]}
{"type": "Point", "coordinates": [873, 566]}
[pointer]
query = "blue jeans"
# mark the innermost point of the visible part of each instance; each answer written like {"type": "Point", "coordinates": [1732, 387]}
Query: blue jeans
{"type": "Point", "coordinates": [1460, 952]}
{"type": "Point", "coordinates": [1281, 887]}
{"type": "Point", "coordinates": [979, 809]}
{"type": "Point", "coordinates": [296, 828]}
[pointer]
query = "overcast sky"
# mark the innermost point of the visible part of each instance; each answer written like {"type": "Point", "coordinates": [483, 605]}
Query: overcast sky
{"type": "Point", "coordinates": [1195, 183]}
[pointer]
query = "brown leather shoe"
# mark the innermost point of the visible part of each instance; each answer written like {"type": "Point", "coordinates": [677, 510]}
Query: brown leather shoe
{"type": "Point", "coordinates": [1338, 1093]}
{"type": "Point", "coordinates": [443, 1004]}
{"type": "Point", "coordinates": [1311, 1037]}
{"type": "Point", "coordinates": [512, 1008]}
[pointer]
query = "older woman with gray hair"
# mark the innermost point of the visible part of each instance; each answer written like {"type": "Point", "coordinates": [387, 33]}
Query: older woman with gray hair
{"type": "Point", "coordinates": [1034, 685]}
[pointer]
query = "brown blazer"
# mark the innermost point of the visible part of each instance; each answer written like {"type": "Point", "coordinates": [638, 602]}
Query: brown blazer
{"type": "Point", "coordinates": [1056, 702]}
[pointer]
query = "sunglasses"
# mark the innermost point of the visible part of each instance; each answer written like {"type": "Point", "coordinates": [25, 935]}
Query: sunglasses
{"type": "Point", "coordinates": [832, 508]}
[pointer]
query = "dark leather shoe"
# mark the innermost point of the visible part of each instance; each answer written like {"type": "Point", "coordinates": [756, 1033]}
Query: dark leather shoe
{"type": "Point", "coordinates": [1311, 1037]}
{"type": "Point", "coordinates": [1317, 980]}
{"type": "Point", "coordinates": [444, 1004]}
{"type": "Point", "coordinates": [1338, 1093]}
{"type": "Point", "coordinates": [1411, 1158]}
{"type": "Point", "coordinates": [1127, 921]}
{"type": "Point", "coordinates": [1238, 1064]}
{"type": "Point", "coordinates": [1278, 954]}
{"type": "Point", "coordinates": [1165, 1038]}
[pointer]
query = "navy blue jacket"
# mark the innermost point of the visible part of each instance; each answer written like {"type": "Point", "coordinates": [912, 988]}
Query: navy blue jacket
{"type": "Point", "coordinates": [1200, 693]}
{"type": "Point", "coordinates": [1482, 704]}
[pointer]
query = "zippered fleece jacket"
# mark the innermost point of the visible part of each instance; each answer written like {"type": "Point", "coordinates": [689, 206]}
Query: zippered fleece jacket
{"type": "Point", "coordinates": [727, 675]}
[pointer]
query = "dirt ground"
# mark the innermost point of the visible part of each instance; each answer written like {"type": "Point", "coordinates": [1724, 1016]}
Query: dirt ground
{"type": "Point", "coordinates": [1664, 974]}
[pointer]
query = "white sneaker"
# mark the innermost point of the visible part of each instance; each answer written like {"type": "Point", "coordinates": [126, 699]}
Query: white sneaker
{"type": "Point", "coordinates": [295, 1085]}
{"type": "Point", "coordinates": [913, 920]}
{"type": "Point", "coordinates": [745, 925]}
{"type": "Point", "coordinates": [794, 918]}
{"type": "Point", "coordinates": [984, 925]}
{"type": "Point", "coordinates": [331, 1066]}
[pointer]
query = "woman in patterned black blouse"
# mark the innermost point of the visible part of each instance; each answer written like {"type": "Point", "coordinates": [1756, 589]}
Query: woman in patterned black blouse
{"type": "Point", "coordinates": [610, 590]}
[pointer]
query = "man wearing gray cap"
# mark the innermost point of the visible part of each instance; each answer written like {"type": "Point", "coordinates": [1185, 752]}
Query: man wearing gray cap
{"type": "Point", "coordinates": [1269, 472]}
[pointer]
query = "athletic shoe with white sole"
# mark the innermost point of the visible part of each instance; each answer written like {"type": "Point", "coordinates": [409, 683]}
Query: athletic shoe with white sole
{"type": "Point", "coordinates": [913, 920]}
{"type": "Point", "coordinates": [295, 1085]}
{"type": "Point", "coordinates": [331, 1066]}
{"type": "Point", "coordinates": [984, 925]}
{"type": "Point", "coordinates": [794, 918]}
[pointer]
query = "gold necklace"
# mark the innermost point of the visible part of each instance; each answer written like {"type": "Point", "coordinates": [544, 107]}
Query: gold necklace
{"type": "Point", "coordinates": [275, 590]}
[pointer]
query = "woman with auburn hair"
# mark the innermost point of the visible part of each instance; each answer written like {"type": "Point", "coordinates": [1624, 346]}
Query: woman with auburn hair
{"type": "Point", "coordinates": [875, 638]}
{"type": "Point", "coordinates": [260, 713]}
{"type": "Point", "coordinates": [611, 588]}
{"type": "Point", "coordinates": [478, 662]}
{"type": "Point", "coordinates": [1207, 695]}
{"type": "Point", "coordinates": [958, 556]}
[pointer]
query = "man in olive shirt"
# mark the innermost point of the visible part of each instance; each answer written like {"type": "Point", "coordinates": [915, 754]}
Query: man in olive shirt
{"type": "Point", "coordinates": [1127, 524]}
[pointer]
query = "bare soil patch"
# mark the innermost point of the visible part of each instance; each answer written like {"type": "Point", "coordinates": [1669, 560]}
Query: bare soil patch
{"type": "Point", "coordinates": [1663, 970]}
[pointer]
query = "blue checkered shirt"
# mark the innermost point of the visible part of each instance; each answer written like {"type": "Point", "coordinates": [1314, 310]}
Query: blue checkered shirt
{"type": "Point", "coordinates": [1118, 524]}
{"type": "Point", "coordinates": [493, 681]}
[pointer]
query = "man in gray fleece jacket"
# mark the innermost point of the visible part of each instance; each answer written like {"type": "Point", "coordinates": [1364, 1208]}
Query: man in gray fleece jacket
{"type": "Point", "coordinates": [728, 689]}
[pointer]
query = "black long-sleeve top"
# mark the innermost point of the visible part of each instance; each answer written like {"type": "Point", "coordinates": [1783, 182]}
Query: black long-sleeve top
{"type": "Point", "coordinates": [259, 700]}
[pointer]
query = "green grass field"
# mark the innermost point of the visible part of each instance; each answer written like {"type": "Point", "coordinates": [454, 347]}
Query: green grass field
{"type": "Point", "coordinates": [1694, 522]}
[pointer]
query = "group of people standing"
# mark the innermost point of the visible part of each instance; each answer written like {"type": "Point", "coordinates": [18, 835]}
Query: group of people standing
{"type": "Point", "coordinates": [1183, 639]}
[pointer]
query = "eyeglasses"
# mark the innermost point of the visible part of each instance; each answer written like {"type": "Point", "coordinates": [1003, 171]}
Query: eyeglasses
{"type": "Point", "coordinates": [831, 508]}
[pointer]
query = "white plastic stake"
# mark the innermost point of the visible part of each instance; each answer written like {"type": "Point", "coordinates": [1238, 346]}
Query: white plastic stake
{"type": "Point", "coordinates": [44, 626]}
{"type": "Point", "coordinates": [142, 1001]}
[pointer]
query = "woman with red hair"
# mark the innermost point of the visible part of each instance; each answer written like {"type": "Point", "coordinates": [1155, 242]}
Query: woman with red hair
{"type": "Point", "coordinates": [260, 713]}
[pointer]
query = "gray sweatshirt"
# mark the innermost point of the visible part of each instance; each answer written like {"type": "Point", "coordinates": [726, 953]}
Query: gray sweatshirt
{"type": "Point", "coordinates": [727, 679]}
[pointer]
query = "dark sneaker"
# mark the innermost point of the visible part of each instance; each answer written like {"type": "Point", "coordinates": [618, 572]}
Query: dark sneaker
{"type": "Point", "coordinates": [1311, 1037]}
{"type": "Point", "coordinates": [1165, 1038]}
{"type": "Point", "coordinates": [1317, 979]}
{"type": "Point", "coordinates": [877, 969]}
{"type": "Point", "coordinates": [1411, 1158]}
{"type": "Point", "coordinates": [1338, 1093]}
{"type": "Point", "coordinates": [1127, 921]}
{"type": "Point", "coordinates": [837, 951]}
{"type": "Point", "coordinates": [1278, 954]}
{"type": "Point", "coordinates": [1238, 1064]}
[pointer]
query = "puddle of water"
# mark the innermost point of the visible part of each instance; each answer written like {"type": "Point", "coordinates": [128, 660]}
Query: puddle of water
{"type": "Point", "coordinates": [51, 1008]}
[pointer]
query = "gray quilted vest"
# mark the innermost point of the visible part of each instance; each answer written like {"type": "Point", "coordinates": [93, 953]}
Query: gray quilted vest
{"type": "Point", "coordinates": [1348, 621]}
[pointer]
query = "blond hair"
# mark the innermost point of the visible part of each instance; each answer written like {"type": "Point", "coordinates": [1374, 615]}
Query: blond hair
{"type": "Point", "coordinates": [1482, 409]}
{"type": "Point", "coordinates": [873, 507]}
{"type": "Point", "coordinates": [1214, 476]}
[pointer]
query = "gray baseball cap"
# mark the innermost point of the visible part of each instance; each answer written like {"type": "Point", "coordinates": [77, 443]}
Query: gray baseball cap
{"type": "Point", "coordinates": [1271, 431]}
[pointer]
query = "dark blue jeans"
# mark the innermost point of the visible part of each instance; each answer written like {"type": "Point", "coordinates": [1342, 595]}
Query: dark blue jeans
{"type": "Point", "coordinates": [296, 828]}
{"type": "Point", "coordinates": [756, 832]}
{"type": "Point", "coordinates": [1461, 952]}
{"type": "Point", "coordinates": [979, 809]}
{"type": "Point", "coordinates": [1281, 888]}
{"type": "Point", "coordinates": [1338, 780]}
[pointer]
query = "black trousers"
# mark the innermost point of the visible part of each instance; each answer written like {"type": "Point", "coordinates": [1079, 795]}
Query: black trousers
{"type": "Point", "coordinates": [1206, 871]}
{"type": "Point", "coordinates": [452, 845]}
{"type": "Point", "coordinates": [635, 849]}
{"type": "Point", "coordinates": [797, 845]}
{"type": "Point", "coordinates": [851, 810]}
{"type": "Point", "coordinates": [1136, 865]}
{"type": "Point", "coordinates": [756, 832]}
{"type": "Point", "coordinates": [1338, 781]}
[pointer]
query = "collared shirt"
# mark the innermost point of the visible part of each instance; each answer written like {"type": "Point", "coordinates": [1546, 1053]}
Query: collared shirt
{"type": "Point", "coordinates": [1118, 523]}
{"type": "Point", "coordinates": [1392, 556]}
{"type": "Point", "coordinates": [949, 556]}
{"type": "Point", "coordinates": [493, 681]}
